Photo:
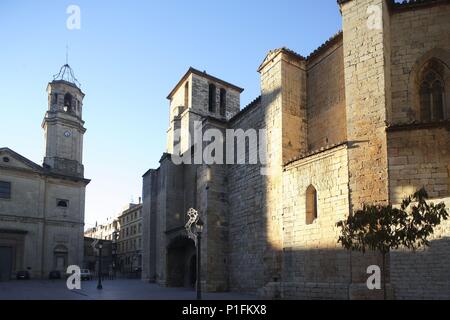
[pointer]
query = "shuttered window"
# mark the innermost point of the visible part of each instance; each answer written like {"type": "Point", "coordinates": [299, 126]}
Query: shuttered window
{"type": "Point", "coordinates": [5, 190]}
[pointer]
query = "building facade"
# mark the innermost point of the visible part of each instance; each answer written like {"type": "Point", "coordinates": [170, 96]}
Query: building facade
{"type": "Point", "coordinates": [363, 119]}
{"type": "Point", "coordinates": [105, 231]}
{"type": "Point", "coordinates": [108, 234]}
{"type": "Point", "coordinates": [129, 243]}
{"type": "Point", "coordinates": [42, 207]}
{"type": "Point", "coordinates": [91, 257]}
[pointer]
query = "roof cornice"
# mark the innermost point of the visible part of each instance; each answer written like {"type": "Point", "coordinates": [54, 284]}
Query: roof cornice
{"type": "Point", "coordinates": [37, 169]}
{"type": "Point", "coordinates": [272, 54]}
{"type": "Point", "coordinates": [21, 158]}
{"type": "Point", "coordinates": [204, 75]}
{"type": "Point", "coordinates": [327, 44]}
{"type": "Point", "coordinates": [406, 4]}
{"type": "Point", "coordinates": [256, 102]}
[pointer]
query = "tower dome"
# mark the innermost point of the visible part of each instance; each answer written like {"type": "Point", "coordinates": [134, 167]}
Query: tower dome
{"type": "Point", "coordinates": [66, 74]}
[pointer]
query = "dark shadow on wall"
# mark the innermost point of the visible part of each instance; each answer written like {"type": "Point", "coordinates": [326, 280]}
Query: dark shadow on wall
{"type": "Point", "coordinates": [424, 274]}
{"type": "Point", "coordinates": [180, 254]}
{"type": "Point", "coordinates": [255, 263]}
{"type": "Point", "coordinates": [330, 274]}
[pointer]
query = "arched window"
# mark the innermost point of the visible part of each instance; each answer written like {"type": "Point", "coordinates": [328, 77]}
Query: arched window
{"type": "Point", "coordinates": [68, 102]}
{"type": "Point", "coordinates": [311, 205]}
{"type": "Point", "coordinates": [223, 101]}
{"type": "Point", "coordinates": [432, 93]}
{"type": "Point", "coordinates": [212, 98]}
{"type": "Point", "coordinates": [79, 107]}
{"type": "Point", "coordinates": [186, 95]}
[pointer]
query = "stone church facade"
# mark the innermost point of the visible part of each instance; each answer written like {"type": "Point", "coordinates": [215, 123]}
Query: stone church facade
{"type": "Point", "coordinates": [42, 207]}
{"type": "Point", "coordinates": [364, 119]}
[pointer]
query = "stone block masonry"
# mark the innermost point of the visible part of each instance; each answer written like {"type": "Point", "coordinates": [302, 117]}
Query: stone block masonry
{"type": "Point", "coordinates": [343, 130]}
{"type": "Point", "coordinates": [314, 266]}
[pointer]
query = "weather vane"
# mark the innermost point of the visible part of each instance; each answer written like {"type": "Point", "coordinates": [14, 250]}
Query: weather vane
{"type": "Point", "coordinates": [66, 73]}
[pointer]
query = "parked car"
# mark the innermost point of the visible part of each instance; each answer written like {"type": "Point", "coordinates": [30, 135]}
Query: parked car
{"type": "Point", "coordinates": [55, 274]}
{"type": "Point", "coordinates": [85, 274]}
{"type": "Point", "coordinates": [23, 275]}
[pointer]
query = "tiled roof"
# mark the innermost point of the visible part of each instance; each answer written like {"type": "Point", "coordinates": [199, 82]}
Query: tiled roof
{"type": "Point", "coordinates": [292, 52]}
{"type": "Point", "coordinates": [331, 41]}
{"type": "Point", "coordinates": [249, 107]}
{"type": "Point", "coordinates": [405, 3]}
{"type": "Point", "coordinates": [415, 3]}
{"type": "Point", "coordinates": [315, 152]}
{"type": "Point", "coordinates": [338, 36]}
{"type": "Point", "coordinates": [202, 74]}
{"type": "Point", "coordinates": [272, 53]}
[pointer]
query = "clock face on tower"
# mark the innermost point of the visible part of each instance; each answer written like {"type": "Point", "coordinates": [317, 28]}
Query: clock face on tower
{"type": "Point", "coordinates": [67, 134]}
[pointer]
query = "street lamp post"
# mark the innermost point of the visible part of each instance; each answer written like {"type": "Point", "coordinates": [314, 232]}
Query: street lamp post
{"type": "Point", "coordinates": [197, 224]}
{"type": "Point", "coordinates": [199, 227]}
{"type": "Point", "coordinates": [99, 284]}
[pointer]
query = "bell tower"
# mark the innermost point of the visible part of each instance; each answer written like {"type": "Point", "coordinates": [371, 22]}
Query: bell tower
{"type": "Point", "coordinates": [64, 126]}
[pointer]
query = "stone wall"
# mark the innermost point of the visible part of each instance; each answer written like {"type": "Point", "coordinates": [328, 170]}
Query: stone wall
{"type": "Point", "coordinates": [170, 208]}
{"type": "Point", "coordinates": [184, 117]}
{"type": "Point", "coordinates": [247, 226]}
{"type": "Point", "coordinates": [423, 274]}
{"type": "Point", "coordinates": [212, 192]}
{"type": "Point", "coordinates": [327, 123]}
{"type": "Point", "coordinates": [367, 79]}
{"type": "Point", "coordinates": [149, 218]}
{"type": "Point", "coordinates": [176, 108]}
{"type": "Point", "coordinates": [254, 195]}
{"type": "Point", "coordinates": [314, 264]}
{"type": "Point", "coordinates": [416, 36]}
{"type": "Point", "coordinates": [33, 209]}
{"type": "Point", "coordinates": [419, 155]}
{"type": "Point", "coordinates": [366, 104]}
{"type": "Point", "coordinates": [160, 227]}
{"type": "Point", "coordinates": [257, 238]}
{"type": "Point", "coordinates": [420, 158]}
{"type": "Point", "coordinates": [283, 99]}
{"type": "Point", "coordinates": [200, 97]}
{"type": "Point", "coordinates": [293, 92]}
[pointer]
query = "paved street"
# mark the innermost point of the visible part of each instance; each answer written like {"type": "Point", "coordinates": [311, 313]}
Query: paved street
{"type": "Point", "coordinates": [112, 290]}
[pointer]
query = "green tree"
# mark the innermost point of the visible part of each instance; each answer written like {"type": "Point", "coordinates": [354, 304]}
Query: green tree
{"type": "Point", "coordinates": [382, 228]}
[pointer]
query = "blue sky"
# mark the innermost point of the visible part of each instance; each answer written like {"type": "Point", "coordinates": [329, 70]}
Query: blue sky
{"type": "Point", "coordinates": [128, 55]}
